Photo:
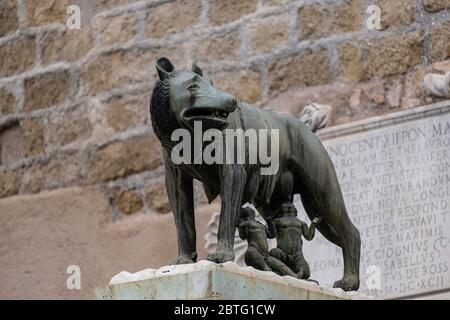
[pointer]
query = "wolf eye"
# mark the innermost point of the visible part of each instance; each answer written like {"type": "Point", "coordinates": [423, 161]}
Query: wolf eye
{"type": "Point", "coordinates": [193, 86]}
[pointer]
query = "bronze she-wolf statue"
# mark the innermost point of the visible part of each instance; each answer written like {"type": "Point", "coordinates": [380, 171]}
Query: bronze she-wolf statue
{"type": "Point", "coordinates": [182, 97]}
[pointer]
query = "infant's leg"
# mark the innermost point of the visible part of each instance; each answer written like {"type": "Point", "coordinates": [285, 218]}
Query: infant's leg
{"type": "Point", "coordinates": [278, 254]}
{"type": "Point", "coordinates": [255, 259]}
{"type": "Point", "coordinates": [279, 267]}
{"type": "Point", "coordinates": [301, 266]}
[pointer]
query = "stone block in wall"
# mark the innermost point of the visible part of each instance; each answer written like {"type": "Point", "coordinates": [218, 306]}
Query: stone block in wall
{"type": "Point", "coordinates": [394, 54]}
{"type": "Point", "coordinates": [11, 144]}
{"type": "Point", "coordinates": [123, 158]}
{"type": "Point", "coordinates": [156, 196]}
{"type": "Point", "coordinates": [324, 20]}
{"type": "Point", "coordinates": [217, 47]}
{"type": "Point", "coordinates": [59, 170]}
{"type": "Point", "coordinates": [440, 41]}
{"type": "Point", "coordinates": [436, 5]}
{"type": "Point", "coordinates": [117, 29]}
{"type": "Point", "coordinates": [128, 201]}
{"type": "Point", "coordinates": [131, 66]}
{"type": "Point", "coordinates": [275, 2]}
{"type": "Point", "coordinates": [7, 102]}
{"type": "Point", "coordinates": [105, 5]}
{"type": "Point", "coordinates": [33, 137]}
{"type": "Point", "coordinates": [67, 126]}
{"type": "Point", "coordinates": [9, 182]}
{"type": "Point", "coordinates": [414, 94]}
{"type": "Point", "coordinates": [304, 69]}
{"type": "Point", "coordinates": [43, 12]}
{"type": "Point", "coordinates": [351, 63]}
{"type": "Point", "coordinates": [46, 90]}
{"type": "Point", "coordinates": [269, 33]}
{"type": "Point", "coordinates": [384, 57]}
{"type": "Point", "coordinates": [171, 17]}
{"type": "Point", "coordinates": [221, 12]}
{"type": "Point", "coordinates": [396, 13]}
{"type": "Point", "coordinates": [245, 84]}
{"type": "Point", "coordinates": [66, 45]}
{"type": "Point", "coordinates": [126, 111]}
{"type": "Point", "coordinates": [17, 55]}
{"type": "Point", "coordinates": [9, 21]}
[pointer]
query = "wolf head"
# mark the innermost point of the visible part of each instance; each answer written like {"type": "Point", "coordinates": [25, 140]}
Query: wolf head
{"type": "Point", "coordinates": [191, 97]}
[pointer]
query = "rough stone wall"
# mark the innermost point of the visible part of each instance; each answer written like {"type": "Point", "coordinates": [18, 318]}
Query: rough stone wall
{"type": "Point", "coordinates": [74, 103]}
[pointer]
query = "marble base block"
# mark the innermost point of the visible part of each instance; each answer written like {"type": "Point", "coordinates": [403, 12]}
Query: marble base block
{"type": "Point", "coordinates": [207, 280]}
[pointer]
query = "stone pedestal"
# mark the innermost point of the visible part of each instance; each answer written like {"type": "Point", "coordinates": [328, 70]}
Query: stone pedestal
{"type": "Point", "coordinates": [207, 280]}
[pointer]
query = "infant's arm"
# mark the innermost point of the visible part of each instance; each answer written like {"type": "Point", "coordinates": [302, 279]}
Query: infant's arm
{"type": "Point", "coordinates": [242, 229]}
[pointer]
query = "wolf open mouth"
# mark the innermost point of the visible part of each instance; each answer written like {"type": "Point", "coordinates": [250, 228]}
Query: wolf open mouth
{"type": "Point", "coordinates": [209, 117]}
{"type": "Point", "coordinates": [203, 113]}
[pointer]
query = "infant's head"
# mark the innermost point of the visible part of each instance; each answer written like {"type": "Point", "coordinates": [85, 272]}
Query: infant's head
{"type": "Point", "coordinates": [247, 214]}
{"type": "Point", "coordinates": [288, 210]}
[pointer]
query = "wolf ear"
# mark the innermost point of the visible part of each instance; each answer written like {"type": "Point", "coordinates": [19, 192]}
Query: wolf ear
{"type": "Point", "coordinates": [164, 67]}
{"type": "Point", "coordinates": [196, 69]}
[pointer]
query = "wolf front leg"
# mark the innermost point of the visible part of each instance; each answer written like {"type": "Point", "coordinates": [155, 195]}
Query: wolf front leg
{"type": "Point", "coordinates": [233, 179]}
{"type": "Point", "coordinates": [180, 192]}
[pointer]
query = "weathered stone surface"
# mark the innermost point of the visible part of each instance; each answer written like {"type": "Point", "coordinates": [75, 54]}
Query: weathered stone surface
{"type": "Point", "coordinates": [245, 84]}
{"type": "Point", "coordinates": [116, 29]}
{"type": "Point", "coordinates": [105, 5]}
{"type": "Point", "coordinates": [414, 93]}
{"type": "Point", "coordinates": [317, 20]}
{"type": "Point", "coordinates": [7, 102]}
{"type": "Point", "coordinates": [125, 112]}
{"type": "Point", "coordinates": [394, 91]}
{"type": "Point", "coordinates": [46, 90]}
{"type": "Point", "coordinates": [8, 17]}
{"type": "Point", "coordinates": [351, 63]}
{"type": "Point", "coordinates": [67, 45]}
{"type": "Point", "coordinates": [9, 183]}
{"type": "Point", "coordinates": [17, 55]}
{"type": "Point", "coordinates": [396, 13]}
{"type": "Point", "coordinates": [208, 280]}
{"type": "Point", "coordinates": [275, 2]}
{"type": "Point", "coordinates": [97, 75]}
{"type": "Point", "coordinates": [69, 126]}
{"type": "Point", "coordinates": [128, 201]}
{"type": "Point", "coordinates": [33, 137]}
{"type": "Point", "coordinates": [119, 159]}
{"type": "Point", "coordinates": [11, 144]}
{"type": "Point", "coordinates": [132, 66]}
{"type": "Point", "coordinates": [397, 195]}
{"type": "Point", "coordinates": [221, 12]}
{"type": "Point", "coordinates": [380, 58]}
{"type": "Point", "coordinates": [394, 55]}
{"type": "Point", "coordinates": [218, 47]}
{"type": "Point", "coordinates": [304, 69]}
{"type": "Point", "coordinates": [367, 100]}
{"type": "Point", "coordinates": [172, 17]}
{"type": "Point", "coordinates": [156, 196]}
{"type": "Point", "coordinates": [60, 170]}
{"type": "Point", "coordinates": [440, 42]}
{"type": "Point", "coordinates": [269, 33]}
{"type": "Point", "coordinates": [436, 5]}
{"type": "Point", "coordinates": [71, 226]}
{"type": "Point", "coordinates": [46, 11]}
{"type": "Point", "coordinates": [293, 101]}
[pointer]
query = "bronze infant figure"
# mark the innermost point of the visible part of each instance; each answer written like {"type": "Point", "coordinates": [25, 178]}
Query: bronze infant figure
{"type": "Point", "coordinates": [182, 97]}
{"type": "Point", "coordinates": [257, 254]}
{"type": "Point", "coordinates": [289, 233]}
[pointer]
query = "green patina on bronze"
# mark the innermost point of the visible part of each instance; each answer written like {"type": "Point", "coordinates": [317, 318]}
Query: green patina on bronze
{"type": "Point", "coordinates": [305, 168]}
